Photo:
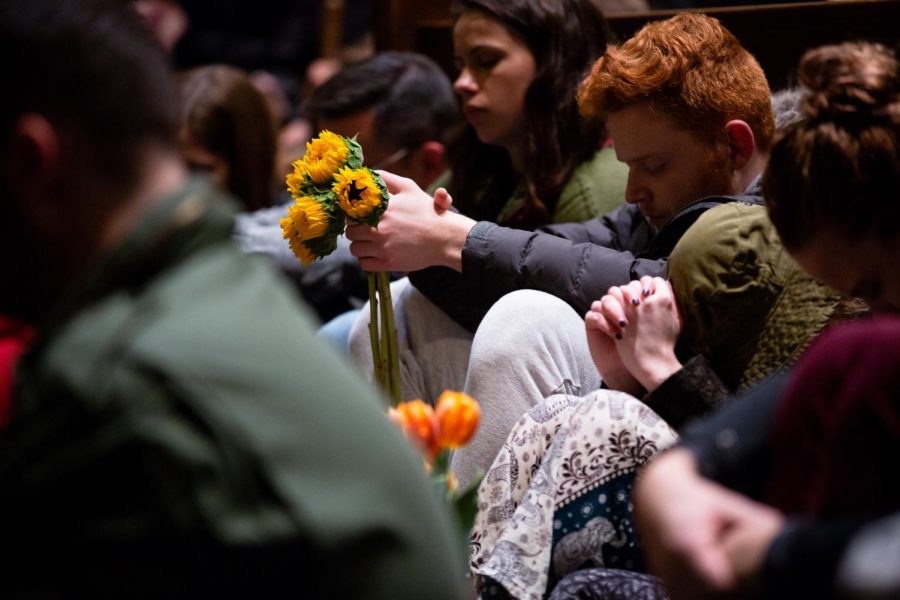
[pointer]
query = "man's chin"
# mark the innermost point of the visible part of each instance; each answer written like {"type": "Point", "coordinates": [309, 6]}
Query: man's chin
{"type": "Point", "coordinates": [656, 222]}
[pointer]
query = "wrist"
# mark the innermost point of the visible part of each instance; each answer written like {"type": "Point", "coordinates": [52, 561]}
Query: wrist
{"type": "Point", "coordinates": [456, 230]}
{"type": "Point", "coordinates": [656, 371]}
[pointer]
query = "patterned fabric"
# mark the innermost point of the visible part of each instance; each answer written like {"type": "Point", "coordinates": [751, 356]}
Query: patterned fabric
{"type": "Point", "coordinates": [609, 584]}
{"type": "Point", "coordinates": [557, 497]}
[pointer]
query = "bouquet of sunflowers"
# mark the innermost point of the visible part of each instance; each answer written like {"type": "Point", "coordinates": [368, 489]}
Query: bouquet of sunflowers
{"type": "Point", "coordinates": [330, 185]}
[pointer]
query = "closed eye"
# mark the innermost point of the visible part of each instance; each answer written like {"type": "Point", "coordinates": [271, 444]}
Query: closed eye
{"type": "Point", "coordinates": [655, 168]}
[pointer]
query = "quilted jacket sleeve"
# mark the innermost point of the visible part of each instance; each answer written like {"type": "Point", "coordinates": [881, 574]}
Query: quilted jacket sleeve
{"type": "Point", "coordinates": [577, 262]}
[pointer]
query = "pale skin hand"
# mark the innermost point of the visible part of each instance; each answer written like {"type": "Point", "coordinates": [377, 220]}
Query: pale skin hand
{"type": "Point", "coordinates": [416, 231]}
{"type": "Point", "coordinates": [748, 541]}
{"type": "Point", "coordinates": [643, 317]}
{"type": "Point", "coordinates": [702, 539]}
{"type": "Point", "coordinates": [604, 354]}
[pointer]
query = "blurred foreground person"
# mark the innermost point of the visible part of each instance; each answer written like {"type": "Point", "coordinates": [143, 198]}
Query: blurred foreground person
{"type": "Point", "coordinates": [175, 429]}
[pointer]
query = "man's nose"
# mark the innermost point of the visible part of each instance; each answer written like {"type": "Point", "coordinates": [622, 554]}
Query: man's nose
{"type": "Point", "coordinates": [635, 191]}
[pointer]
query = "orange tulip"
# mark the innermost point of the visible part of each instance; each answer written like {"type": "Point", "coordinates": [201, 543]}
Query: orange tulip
{"type": "Point", "coordinates": [457, 417]}
{"type": "Point", "coordinates": [417, 421]}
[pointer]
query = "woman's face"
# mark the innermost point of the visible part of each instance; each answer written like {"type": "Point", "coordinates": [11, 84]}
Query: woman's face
{"type": "Point", "coordinates": [867, 268]}
{"type": "Point", "coordinates": [496, 69]}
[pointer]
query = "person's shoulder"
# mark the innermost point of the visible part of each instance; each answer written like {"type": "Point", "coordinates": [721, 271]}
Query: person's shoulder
{"type": "Point", "coordinates": [260, 230]}
{"type": "Point", "coordinates": [595, 187]}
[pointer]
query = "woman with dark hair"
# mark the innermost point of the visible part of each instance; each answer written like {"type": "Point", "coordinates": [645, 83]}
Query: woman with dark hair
{"type": "Point", "coordinates": [793, 491]}
{"type": "Point", "coordinates": [525, 157]}
{"type": "Point", "coordinates": [834, 179]}
{"type": "Point", "coordinates": [228, 130]}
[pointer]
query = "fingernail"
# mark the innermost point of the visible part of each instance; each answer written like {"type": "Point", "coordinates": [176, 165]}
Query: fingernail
{"type": "Point", "coordinates": [623, 323]}
{"type": "Point", "coordinates": [618, 336]}
{"type": "Point", "coordinates": [635, 301]}
{"type": "Point", "coordinates": [646, 292]}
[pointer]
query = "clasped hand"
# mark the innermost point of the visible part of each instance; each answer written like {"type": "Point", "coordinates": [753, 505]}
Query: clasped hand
{"type": "Point", "coordinates": [632, 331]}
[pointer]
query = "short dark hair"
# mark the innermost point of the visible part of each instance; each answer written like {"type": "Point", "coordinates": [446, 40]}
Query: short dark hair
{"type": "Point", "coordinates": [412, 98]}
{"type": "Point", "coordinates": [92, 67]}
{"type": "Point", "coordinates": [838, 168]}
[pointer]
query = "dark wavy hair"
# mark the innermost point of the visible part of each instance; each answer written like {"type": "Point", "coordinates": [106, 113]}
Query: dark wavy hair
{"type": "Point", "coordinates": [838, 168]}
{"type": "Point", "coordinates": [565, 37]}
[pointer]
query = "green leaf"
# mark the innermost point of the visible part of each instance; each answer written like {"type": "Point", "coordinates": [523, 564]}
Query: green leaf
{"type": "Point", "coordinates": [465, 504]}
{"type": "Point", "coordinates": [322, 245]}
{"type": "Point", "coordinates": [354, 153]}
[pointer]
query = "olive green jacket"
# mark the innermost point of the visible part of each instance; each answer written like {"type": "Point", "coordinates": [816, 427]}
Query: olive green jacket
{"type": "Point", "coordinates": [595, 188]}
{"type": "Point", "coordinates": [178, 428]}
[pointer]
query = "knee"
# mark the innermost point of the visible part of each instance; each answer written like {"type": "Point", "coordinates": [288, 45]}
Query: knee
{"type": "Point", "coordinates": [525, 321]}
{"type": "Point", "coordinates": [527, 307]}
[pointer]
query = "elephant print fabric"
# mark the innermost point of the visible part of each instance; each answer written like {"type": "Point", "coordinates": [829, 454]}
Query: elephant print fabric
{"type": "Point", "coordinates": [558, 496]}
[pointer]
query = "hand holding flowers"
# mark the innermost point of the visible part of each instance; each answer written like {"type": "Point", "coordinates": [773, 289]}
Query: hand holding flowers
{"type": "Point", "coordinates": [331, 187]}
{"type": "Point", "coordinates": [416, 231]}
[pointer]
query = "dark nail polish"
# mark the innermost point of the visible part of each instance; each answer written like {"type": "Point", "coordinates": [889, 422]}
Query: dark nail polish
{"type": "Point", "coordinates": [646, 292]}
{"type": "Point", "coordinates": [623, 323]}
{"type": "Point", "coordinates": [635, 301]}
{"type": "Point", "coordinates": [618, 336]}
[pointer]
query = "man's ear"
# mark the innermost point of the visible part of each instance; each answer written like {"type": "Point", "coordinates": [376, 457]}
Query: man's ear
{"type": "Point", "coordinates": [741, 143]}
{"type": "Point", "coordinates": [432, 155]}
{"type": "Point", "coordinates": [33, 161]}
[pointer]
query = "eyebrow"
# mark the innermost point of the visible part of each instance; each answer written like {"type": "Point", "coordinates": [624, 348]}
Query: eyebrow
{"type": "Point", "coordinates": [641, 157]}
{"type": "Point", "coordinates": [481, 46]}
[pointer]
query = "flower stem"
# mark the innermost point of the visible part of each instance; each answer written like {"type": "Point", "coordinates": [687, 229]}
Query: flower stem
{"type": "Point", "coordinates": [373, 332]}
{"type": "Point", "coordinates": [389, 331]}
{"type": "Point", "coordinates": [385, 309]}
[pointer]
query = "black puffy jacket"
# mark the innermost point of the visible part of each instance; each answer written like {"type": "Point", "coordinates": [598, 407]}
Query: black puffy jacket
{"type": "Point", "coordinates": [577, 262]}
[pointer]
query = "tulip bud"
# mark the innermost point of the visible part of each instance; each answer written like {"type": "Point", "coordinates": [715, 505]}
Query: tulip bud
{"type": "Point", "coordinates": [418, 423]}
{"type": "Point", "coordinates": [457, 417]}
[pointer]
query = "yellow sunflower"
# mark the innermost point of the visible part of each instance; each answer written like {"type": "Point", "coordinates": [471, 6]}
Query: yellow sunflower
{"type": "Point", "coordinates": [358, 193]}
{"type": "Point", "coordinates": [295, 180]}
{"type": "Point", "coordinates": [306, 256]}
{"type": "Point", "coordinates": [325, 154]}
{"type": "Point", "coordinates": [306, 220]}
{"type": "Point", "coordinates": [309, 217]}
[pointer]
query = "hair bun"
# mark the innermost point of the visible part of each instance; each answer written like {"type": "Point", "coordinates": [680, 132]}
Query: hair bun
{"type": "Point", "coordinates": [851, 82]}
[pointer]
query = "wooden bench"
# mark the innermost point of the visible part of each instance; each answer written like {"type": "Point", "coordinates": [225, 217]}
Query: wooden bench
{"type": "Point", "coordinates": [777, 34]}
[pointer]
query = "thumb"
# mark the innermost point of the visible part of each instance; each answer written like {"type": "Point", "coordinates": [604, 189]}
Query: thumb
{"type": "Point", "coordinates": [442, 199]}
{"type": "Point", "coordinates": [396, 184]}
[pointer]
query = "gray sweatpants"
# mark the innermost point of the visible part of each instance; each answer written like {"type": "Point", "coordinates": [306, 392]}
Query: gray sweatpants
{"type": "Point", "coordinates": [529, 345]}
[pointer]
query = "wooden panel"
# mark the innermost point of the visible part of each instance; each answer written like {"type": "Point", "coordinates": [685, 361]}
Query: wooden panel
{"type": "Point", "coordinates": [777, 34]}
{"type": "Point", "coordinates": [398, 23]}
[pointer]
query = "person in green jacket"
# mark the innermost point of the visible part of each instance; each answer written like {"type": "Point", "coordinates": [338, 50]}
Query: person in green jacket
{"type": "Point", "coordinates": [176, 429]}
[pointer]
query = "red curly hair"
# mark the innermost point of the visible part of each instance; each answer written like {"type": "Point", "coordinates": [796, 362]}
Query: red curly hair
{"type": "Point", "coordinates": [690, 67]}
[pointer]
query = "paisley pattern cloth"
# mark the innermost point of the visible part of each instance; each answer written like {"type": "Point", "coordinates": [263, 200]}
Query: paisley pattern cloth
{"type": "Point", "coordinates": [558, 496]}
{"type": "Point", "coordinates": [609, 584]}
